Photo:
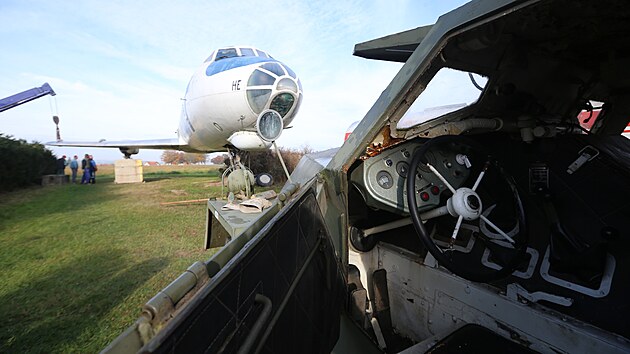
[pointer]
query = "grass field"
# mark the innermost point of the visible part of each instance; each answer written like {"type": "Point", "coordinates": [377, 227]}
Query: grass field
{"type": "Point", "coordinates": [79, 261]}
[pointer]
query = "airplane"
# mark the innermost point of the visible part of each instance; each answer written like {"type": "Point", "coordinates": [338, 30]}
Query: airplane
{"type": "Point", "coordinates": [499, 227]}
{"type": "Point", "coordinates": [228, 97]}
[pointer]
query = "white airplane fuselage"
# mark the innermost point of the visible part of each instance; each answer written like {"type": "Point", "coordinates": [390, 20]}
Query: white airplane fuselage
{"type": "Point", "coordinates": [225, 97]}
{"type": "Point", "coordinates": [223, 102]}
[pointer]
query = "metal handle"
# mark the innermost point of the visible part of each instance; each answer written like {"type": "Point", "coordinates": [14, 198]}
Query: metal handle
{"type": "Point", "coordinates": [258, 325]}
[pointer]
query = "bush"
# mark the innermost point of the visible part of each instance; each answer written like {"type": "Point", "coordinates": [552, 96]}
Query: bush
{"type": "Point", "coordinates": [23, 164]}
{"type": "Point", "coordinates": [267, 161]}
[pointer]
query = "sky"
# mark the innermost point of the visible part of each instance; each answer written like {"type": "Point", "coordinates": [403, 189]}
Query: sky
{"type": "Point", "coordinates": [120, 68]}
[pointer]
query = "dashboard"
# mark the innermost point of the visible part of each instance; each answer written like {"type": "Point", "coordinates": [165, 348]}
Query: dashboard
{"type": "Point", "coordinates": [381, 179]}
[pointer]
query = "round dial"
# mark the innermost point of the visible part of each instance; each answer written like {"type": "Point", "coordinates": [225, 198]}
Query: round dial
{"type": "Point", "coordinates": [384, 179]}
{"type": "Point", "coordinates": [402, 168]}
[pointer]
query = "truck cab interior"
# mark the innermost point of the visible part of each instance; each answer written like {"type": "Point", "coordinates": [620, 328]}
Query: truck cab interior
{"type": "Point", "coordinates": [507, 213]}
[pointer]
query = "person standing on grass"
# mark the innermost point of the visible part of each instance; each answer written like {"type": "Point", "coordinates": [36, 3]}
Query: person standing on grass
{"type": "Point", "coordinates": [93, 170]}
{"type": "Point", "coordinates": [61, 165]}
{"type": "Point", "coordinates": [74, 166]}
{"type": "Point", "coordinates": [85, 165]}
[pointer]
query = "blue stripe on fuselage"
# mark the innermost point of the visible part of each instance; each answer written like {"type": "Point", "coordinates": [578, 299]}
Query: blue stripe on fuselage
{"type": "Point", "coordinates": [234, 62]}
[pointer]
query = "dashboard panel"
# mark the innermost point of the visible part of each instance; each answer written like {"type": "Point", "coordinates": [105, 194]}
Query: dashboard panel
{"type": "Point", "coordinates": [381, 179]}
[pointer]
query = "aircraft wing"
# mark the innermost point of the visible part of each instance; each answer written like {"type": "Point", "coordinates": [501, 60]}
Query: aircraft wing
{"type": "Point", "coordinates": [159, 144]}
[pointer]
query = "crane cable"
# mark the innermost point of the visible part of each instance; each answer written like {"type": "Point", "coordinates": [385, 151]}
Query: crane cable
{"type": "Point", "coordinates": [56, 111]}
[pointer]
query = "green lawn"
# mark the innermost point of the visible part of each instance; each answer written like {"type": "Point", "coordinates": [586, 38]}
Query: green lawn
{"type": "Point", "coordinates": [79, 261]}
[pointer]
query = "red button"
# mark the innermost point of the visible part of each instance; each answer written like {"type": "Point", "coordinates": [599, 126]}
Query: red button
{"type": "Point", "coordinates": [424, 196]}
{"type": "Point", "coordinates": [435, 190]}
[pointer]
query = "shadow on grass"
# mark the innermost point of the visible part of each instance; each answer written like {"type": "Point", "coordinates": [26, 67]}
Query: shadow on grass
{"type": "Point", "coordinates": [54, 312]}
{"type": "Point", "coordinates": [57, 199]}
{"type": "Point", "coordinates": [155, 179]}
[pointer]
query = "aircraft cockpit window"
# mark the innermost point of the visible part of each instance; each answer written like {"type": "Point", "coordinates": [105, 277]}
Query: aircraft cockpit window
{"type": "Point", "coordinates": [226, 53]}
{"type": "Point", "coordinates": [259, 78]}
{"type": "Point", "coordinates": [291, 73]}
{"type": "Point", "coordinates": [449, 91]}
{"type": "Point", "coordinates": [258, 99]}
{"type": "Point", "coordinates": [282, 103]}
{"type": "Point", "coordinates": [289, 118]}
{"type": "Point", "coordinates": [287, 84]}
{"type": "Point", "coordinates": [247, 52]}
{"type": "Point", "coordinates": [274, 68]}
{"type": "Point", "coordinates": [210, 58]}
{"type": "Point", "coordinates": [262, 54]}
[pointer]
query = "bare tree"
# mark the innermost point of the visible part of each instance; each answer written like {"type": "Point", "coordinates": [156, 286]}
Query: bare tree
{"type": "Point", "coordinates": [171, 157]}
{"type": "Point", "coordinates": [267, 161]}
{"type": "Point", "coordinates": [219, 159]}
{"type": "Point", "coordinates": [191, 158]}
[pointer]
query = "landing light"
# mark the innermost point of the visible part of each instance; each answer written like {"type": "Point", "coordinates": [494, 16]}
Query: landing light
{"type": "Point", "coordinates": [269, 125]}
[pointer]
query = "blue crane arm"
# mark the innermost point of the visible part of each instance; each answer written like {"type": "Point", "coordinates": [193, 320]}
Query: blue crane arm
{"type": "Point", "coordinates": [25, 96]}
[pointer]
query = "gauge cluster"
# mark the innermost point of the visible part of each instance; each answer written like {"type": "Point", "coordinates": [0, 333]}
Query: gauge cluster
{"type": "Point", "coordinates": [381, 179]}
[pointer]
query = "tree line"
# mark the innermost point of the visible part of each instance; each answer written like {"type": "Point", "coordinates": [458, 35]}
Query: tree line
{"type": "Point", "coordinates": [23, 164]}
{"type": "Point", "coordinates": [267, 160]}
{"type": "Point", "coordinates": [257, 161]}
{"type": "Point", "coordinates": [178, 157]}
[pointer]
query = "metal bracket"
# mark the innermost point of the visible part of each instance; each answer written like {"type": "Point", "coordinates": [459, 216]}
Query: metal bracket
{"type": "Point", "coordinates": [586, 154]}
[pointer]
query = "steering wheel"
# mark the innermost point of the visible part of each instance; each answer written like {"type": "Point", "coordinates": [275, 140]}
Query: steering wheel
{"type": "Point", "coordinates": [466, 204]}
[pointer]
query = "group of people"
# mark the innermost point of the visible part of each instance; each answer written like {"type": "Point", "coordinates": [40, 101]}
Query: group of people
{"type": "Point", "coordinates": [88, 165]}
